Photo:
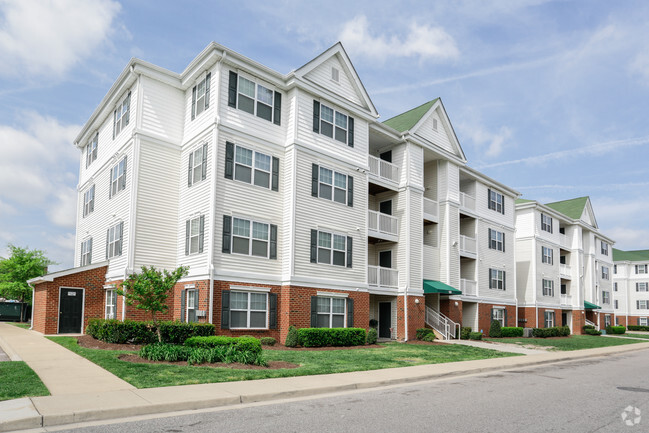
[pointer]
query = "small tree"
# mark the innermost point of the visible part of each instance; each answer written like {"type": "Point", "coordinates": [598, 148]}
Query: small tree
{"type": "Point", "coordinates": [23, 264]}
{"type": "Point", "coordinates": [150, 289]}
{"type": "Point", "coordinates": [495, 330]}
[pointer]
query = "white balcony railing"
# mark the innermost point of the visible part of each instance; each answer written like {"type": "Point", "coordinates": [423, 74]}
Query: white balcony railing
{"type": "Point", "coordinates": [564, 270]}
{"type": "Point", "coordinates": [468, 245]}
{"type": "Point", "coordinates": [381, 223]}
{"type": "Point", "coordinates": [431, 210]}
{"type": "Point", "coordinates": [566, 300]}
{"type": "Point", "coordinates": [382, 277]}
{"type": "Point", "coordinates": [564, 241]}
{"type": "Point", "coordinates": [383, 169]}
{"type": "Point", "coordinates": [468, 287]}
{"type": "Point", "coordinates": [467, 201]}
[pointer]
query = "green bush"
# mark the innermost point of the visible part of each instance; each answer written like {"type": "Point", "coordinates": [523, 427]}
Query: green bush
{"type": "Point", "coordinates": [464, 332]}
{"type": "Point", "coordinates": [592, 331]}
{"type": "Point", "coordinates": [165, 352]}
{"type": "Point", "coordinates": [423, 332]}
{"type": "Point", "coordinates": [320, 337]}
{"type": "Point", "coordinates": [638, 328]}
{"type": "Point", "coordinates": [589, 327]}
{"type": "Point", "coordinates": [240, 344]}
{"type": "Point", "coordinates": [555, 331]}
{"type": "Point", "coordinates": [495, 329]}
{"type": "Point", "coordinates": [374, 323]}
{"type": "Point", "coordinates": [511, 331]}
{"type": "Point", "coordinates": [292, 338]}
{"type": "Point", "coordinates": [429, 337]}
{"type": "Point", "coordinates": [475, 336]}
{"type": "Point", "coordinates": [199, 350]}
{"type": "Point", "coordinates": [615, 329]}
{"type": "Point", "coordinates": [267, 341]}
{"type": "Point", "coordinates": [140, 332]}
{"type": "Point", "coordinates": [372, 336]}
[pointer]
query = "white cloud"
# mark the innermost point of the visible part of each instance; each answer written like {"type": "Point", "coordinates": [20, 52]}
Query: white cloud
{"type": "Point", "coordinates": [640, 66]}
{"type": "Point", "coordinates": [627, 238]}
{"type": "Point", "coordinates": [424, 42]}
{"type": "Point", "coordinates": [49, 37]}
{"type": "Point", "coordinates": [494, 142]}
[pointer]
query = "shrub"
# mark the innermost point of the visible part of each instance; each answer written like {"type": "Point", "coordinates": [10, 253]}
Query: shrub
{"type": "Point", "coordinates": [374, 323]}
{"type": "Point", "coordinates": [464, 332]}
{"type": "Point", "coordinates": [637, 328]}
{"type": "Point", "coordinates": [422, 332]}
{"type": "Point", "coordinates": [592, 331]}
{"type": "Point", "coordinates": [564, 331]}
{"type": "Point", "coordinates": [429, 337]}
{"type": "Point", "coordinates": [589, 327]}
{"type": "Point", "coordinates": [267, 341]}
{"type": "Point", "coordinates": [138, 332]}
{"type": "Point", "coordinates": [372, 336]}
{"type": "Point", "coordinates": [555, 331]}
{"type": "Point", "coordinates": [165, 352]}
{"type": "Point", "coordinates": [495, 329]}
{"type": "Point", "coordinates": [475, 336]}
{"type": "Point", "coordinates": [319, 337]}
{"type": "Point", "coordinates": [209, 342]}
{"type": "Point", "coordinates": [615, 329]}
{"type": "Point", "coordinates": [511, 331]}
{"type": "Point", "coordinates": [199, 350]}
{"type": "Point", "coordinates": [292, 338]}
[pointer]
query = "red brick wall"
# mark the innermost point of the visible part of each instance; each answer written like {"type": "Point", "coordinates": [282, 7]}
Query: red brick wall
{"type": "Point", "coordinates": [448, 308]}
{"type": "Point", "coordinates": [578, 321]}
{"type": "Point", "coordinates": [484, 316]}
{"type": "Point", "coordinates": [557, 316]}
{"type": "Point", "coordinates": [621, 319]}
{"type": "Point", "coordinates": [416, 316]}
{"type": "Point", "coordinates": [527, 317]}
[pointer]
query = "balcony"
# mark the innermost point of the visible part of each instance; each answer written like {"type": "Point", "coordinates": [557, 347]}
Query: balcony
{"type": "Point", "coordinates": [431, 210]}
{"type": "Point", "coordinates": [564, 271]}
{"type": "Point", "coordinates": [566, 300]}
{"type": "Point", "coordinates": [468, 287]}
{"type": "Point", "coordinates": [382, 226]}
{"type": "Point", "coordinates": [467, 202]}
{"type": "Point", "coordinates": [378, 277]}
{"type": "Point", "coordinates": [468, 247]}
{"type": "Point", "coordinates": [383, 173]}
{"type": "Point", "coordinates": [564, 242]}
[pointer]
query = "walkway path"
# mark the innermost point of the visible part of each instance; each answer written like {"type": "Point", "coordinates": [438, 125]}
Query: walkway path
{"type": "Point", "coordinates": [501, 347]}
{"type": "Point", "coordinates": [62, 371]}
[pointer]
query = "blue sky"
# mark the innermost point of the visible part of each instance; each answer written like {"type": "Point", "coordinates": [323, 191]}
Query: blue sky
{"type": "Point", "coordinates": [548, 97]}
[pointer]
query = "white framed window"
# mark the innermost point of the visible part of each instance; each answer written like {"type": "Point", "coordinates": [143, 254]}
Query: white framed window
{"type": "Point", "coordinates": [121, 115]}
{"type": "Point", "coordinates": [497, 279]}
{"type": "Point", "coordinates": [549, 319]}
{"type": "Point", "coordinates": [331, 312]}
{"type": "Point", "coordinates": [197, 165]}
{"type": "Point", "coordinates": [118, 177]}
{"type": "Point", "coordinates": [201, 96]}
{"type": "Point", "coordinates": [194, 232]}
{"type": "Point", "coordinates": [606, 297]}
{"type": "Point", "coordinates": [640, 269]}
{"type": "Point", "coordinates": [332, 185]}
{"type": "Point", "coordinates": [114, 240]}
{"type": "Point", "coordinates": [89, 201]}
{"type": "Point", "coordinates": [248, 310]}
{"type": "Point", "coordinates": [252, 167]}
{"type": "Point", "coordinates": [86, 252]}
{"type": "Point", "coordinates": [641, 287]}
{"type": "Point", "coordinates": [255, 99]}
{"type": "Point", "coordinates": [643, 321]}
{"type": "Point", "coordinates": [605, 274]}
{"type": "Point", "coordinates": [607, 320]}
{"type": "Point", "coordinates": [496, 201]}
{"type": "Point", "coordinates": [250, 238]}
{"type": "Point", "coordinates": [332, 248]}
{"type": "Point", "coordinates": [546, 223]}
{"type": "Point", "coordinates": [604, 248]}
{"type": "Point", "coordinates": [547, 255]}
{"type": "Point", "coordinates": [642, 304]}
{"type": "Point", "coordinates": [548, 288]}
{"type": "Point", "coordinates": [191, 305]}
{"type": "Point", "coordinates": [333, 123]}
{"type": "Point", "coordinates": [496, 240]}
{"type": "Point", "coordinates": [91, 149]}
{"type": "Point", "coordinates": [111, 304]}
{"type": "Point", "coordinates": [498, 314]}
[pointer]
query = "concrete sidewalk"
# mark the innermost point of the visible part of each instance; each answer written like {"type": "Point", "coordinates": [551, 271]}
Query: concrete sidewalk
{"type": "Point", "coordinates": [501, 347]}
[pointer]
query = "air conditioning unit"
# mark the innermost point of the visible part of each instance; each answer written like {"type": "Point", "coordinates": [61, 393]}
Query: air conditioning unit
{"type": "Point", "coordinates": [200, 313]}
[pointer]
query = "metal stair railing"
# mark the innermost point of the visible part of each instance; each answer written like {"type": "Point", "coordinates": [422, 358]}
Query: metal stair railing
{"type": "Point", "coordinates": [442, 324]}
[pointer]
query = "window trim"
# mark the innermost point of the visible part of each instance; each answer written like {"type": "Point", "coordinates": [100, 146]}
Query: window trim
{"type": "Point", "coordinates": [257, 84]}
{"type": "Point", "coordinates": [331, 248]}
{"type": "Point", "coordinates": [91, 149]}
{"type": "Point", "coordinates": [547, 255]}
{"type": "Point", "coordinates": [114, 244]}
{"type": "Point", "coordinates": [497, 277]}
{"type": "Point", "coordinates": [250, 237]}
{"type": "Point", "coordinates": [332, 185]}
{"type": "Point", "coordinates": [192, 178]}
{"type": "Point", "coordinates": [546, 223]}
{"type": "Point", "coordinates": [206, 82]}
{"type": "Point", "coordinates": [121, 121]}
{"type": "Point", "coordinates": [113, 306]}
{"type": "Point", "coordinates": [89, 201]}
{"type": "Point", "coordinates": [606, 274]}
{"type": "Point", "coordinates": [641, 286]}
{"type": "Point", "coordinates": [494, 243]}
{"type": "Point", "coordinates": [117, 178]}
{"type": "Point", "coordinates": [501, 311]}
{"type": "Point", "coordinates": [331, 314]}
{"type": "Point", "coordinates": [642, 304]}
{"type": "Point", "coordinates": [639, 267]}
{"type": "Point", "coordinates": [548, 289]}
{"type": "Point", "coordinates": [643, 321]}
{"type": "Point", "coordinates": [86, 252]}
{"type": "Point", "coordinates": [606, 297]}
{"type": "Point", "coordinates": [199, 236]}
{"type": "Point", "coordinates": [604, 248]}
{"type": "Point", "coordinates": [496, 201]}
{"type": "Point", "coordinates": [193, 295]}
{"type": "Point", "coordinates": [253, 167]}
{"type": "Point", "coordinates": [249, 309]}
{"type": "Point", "coordinates": [549, 318]}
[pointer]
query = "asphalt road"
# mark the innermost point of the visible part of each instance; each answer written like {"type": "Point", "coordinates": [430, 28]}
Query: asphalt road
{"type": "Point", "coordinates": [581, 396]}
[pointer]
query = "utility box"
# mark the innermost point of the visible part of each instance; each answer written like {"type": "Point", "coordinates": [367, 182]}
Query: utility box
{"type": "Point", "coordinates": [527, 332]}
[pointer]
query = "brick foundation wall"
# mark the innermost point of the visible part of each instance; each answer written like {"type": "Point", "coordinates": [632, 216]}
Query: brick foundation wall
{"type": "Point", "coordinates": [557, 316]}
{"type": "Point", "coordinates": [527, 317]}
{"type": "Point", "coordinates": [622, 320]}
{"type": "Point", "coordinates": [448, 308]}
{"type": "Point", "coordinates": [578, 322]}
{"type": "Point", "coordinates": [416, 316]}
{"type": "Point", "coordinates": [484, 316]}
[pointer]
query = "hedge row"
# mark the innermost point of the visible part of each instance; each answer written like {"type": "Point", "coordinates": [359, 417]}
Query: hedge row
{"type": "Point", "coordinates": [615, 329]}
{"type": "Point", "coordinates": [511, 331]}
{"type": "Point", "coordinates": [240, 344]}
{"type": "Point", "coordinates": [243, 351]}
{"type": "Point", "coordinates": [556, 331]}
{"type": "Point", "coordinates": [137, 332]}
{"type": "Point", "coordinates": [590, 330]}
{"type": "Point", "coordinates": [320, 337]}
{"type": "Point", "coordinates": [637, 328]}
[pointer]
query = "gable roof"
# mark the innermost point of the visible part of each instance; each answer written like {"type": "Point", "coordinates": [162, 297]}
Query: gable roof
{"type": "Point", "coordinates": [573, 208]}
{"type": "Point", "coordinates": [406, 121]}
{"type": "Point", "coordinates": [630, 256]}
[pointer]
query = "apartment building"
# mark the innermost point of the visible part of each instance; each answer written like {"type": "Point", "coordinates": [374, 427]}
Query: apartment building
{"type": "Point", "coordinates": [563, 265]}
{"type": "Point", "coordinates": [631, 287]}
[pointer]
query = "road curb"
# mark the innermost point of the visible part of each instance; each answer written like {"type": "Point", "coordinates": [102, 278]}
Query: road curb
{"type": "Point", "coordinates": [6, 348]}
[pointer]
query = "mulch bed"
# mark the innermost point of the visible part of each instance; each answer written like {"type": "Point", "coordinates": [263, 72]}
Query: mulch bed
{"type": "Point", "coordinates": [272, 365]}
{"type": "Point", "coordinates": [90, 343]}
{"type": "Point", "coordinates": [306, 349]}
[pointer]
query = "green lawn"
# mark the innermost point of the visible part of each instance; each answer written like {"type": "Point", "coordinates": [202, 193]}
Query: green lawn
{"type": "Point", "coordinates": [645, 336]}
{"type": "Point", "coordinates": [574, 342]}
{"type": "Point", "coordinates": [311, 362]}
{"type": "Point", "coordinates": [18, 380]}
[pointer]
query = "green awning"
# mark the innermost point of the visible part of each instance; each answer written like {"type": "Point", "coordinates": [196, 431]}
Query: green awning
{"type": "Point", "coordinates": [590, 306]}
{"type": "Point", "coordinates": [432, 286]}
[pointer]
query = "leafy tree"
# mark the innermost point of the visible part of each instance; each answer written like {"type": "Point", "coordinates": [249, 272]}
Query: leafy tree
{"type": "Point", "coordinates": [23, 264]}
{"type": "Point", "coordinates": [150, 289]}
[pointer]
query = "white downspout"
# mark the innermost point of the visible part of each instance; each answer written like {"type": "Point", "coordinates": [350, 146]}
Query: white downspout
{"type": "Point", "coordinates": [405, 293]}
{"type": "Point", "coordinates": [31, 326]}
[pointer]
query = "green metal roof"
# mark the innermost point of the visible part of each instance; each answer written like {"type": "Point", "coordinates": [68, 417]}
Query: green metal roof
{"type": "Point", "coordinates": [591, 306]}
{"type": "Point", "coordinates": [405, 121]}
{"type": "Point", "coordinates": [631, 256]}
{"type": "Point", "coordinates": [432, 286]}
{"type": "Point", "coordinates": [572, 208]}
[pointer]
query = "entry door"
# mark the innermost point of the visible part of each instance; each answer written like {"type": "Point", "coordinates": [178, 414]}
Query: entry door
{"type": "Point", "coordinates": [385, 259]}
{"type": "Point", "coordinates": [564, 319]}
{"type": "Point", "coordinates": [385, 319]}
{"type": "Point", "coordinates": [70, 311]}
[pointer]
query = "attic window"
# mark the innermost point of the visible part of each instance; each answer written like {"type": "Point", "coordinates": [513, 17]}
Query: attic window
{"type": "Point", "coordinates": [335, 74]}
{"type": "Point", "coordinates": [434, 124]}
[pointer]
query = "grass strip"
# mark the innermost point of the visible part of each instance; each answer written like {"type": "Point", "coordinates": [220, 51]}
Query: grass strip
{"type": "Point", "coordinates": [573, 342]}
{"type": "Point", "coordinates": [19, 380]}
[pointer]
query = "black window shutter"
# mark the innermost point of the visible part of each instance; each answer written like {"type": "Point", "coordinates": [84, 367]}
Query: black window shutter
{"type": "Point", "coordinates": [314, 246]}
{"type": "Point", "coordinates": [229, 160]}
{"type": "Point", "coordinates": [277, 115]}
{"type": "Point", "coordinates": [350, 313]}
{"type": "Point", "coordinates": [125, 171]}
{"type": "Point", "coordinates": [489, 239]}
{"type": "Point", "coordinates": [207, 90]}
{"type": "Point", "coordinates": [314, 311]}
{"type": "Point", "coordinates": [350, 132]}
{"type": "Point", "coordinates": [114, 122]}
{"type": "Point", "coordinates": [201, 234]}
{"type": "Point", "coordinates": [272, 311]}
{"type": "Point", "coordinates": [316, 116]}
{"type": "Point", "coordinates": [349, 251]}
{"type": "Point", "coordinates": [275, 176]}
{"type": "Point", "coordinates": [227, 230]}
{"type": "Point", "coordinates": [225, 309]}
{"type": "Point", "coordinates": [504, 206]}
{"type": "Point", "coordinates": [505, 317]}
{"type": "Point", "coordinates": [90, 251]}
{"type": "Point", "coordinates": [187, 237]}
{"type": "Point", "coordinates": [183, 299]}
{"type": "Point", "coordinates": [232, 90]}
{"type": "Point", "coordinates": [107, 242]}
{"type": "Point", "coordinates": [273, 242]}
{"type": "Point", "coordinates": [92, 199]}
{"type": "Point", "coordinates": [194, 103]}
{"type": "Point", "coordinates": [636, 269]}
{"type": "Point", "coordinates": [128, 108]}
{"type": "Point", "coordinates": [315, 170]}
{"type": "Point", "coordinates": [637, 287]}
{"type": "Point", "coordinates": [189, 169]}
{"type": "Point", "coordinates": [489, 198]}
{"type": "Point", "coordinates": [504, 280]}
{"type": "Point", "coordinates": [121, 239]}
{"type": "Point", "coordinates": [504, 242]}
{"type": "Point", "coordinates": [204, 163]}
{"type": "Point", "coordinates": [350, 191]}
{"type": "Point", "coordinates": [492, 314]}
{"type": "Point", "coordinates": [110, 195]}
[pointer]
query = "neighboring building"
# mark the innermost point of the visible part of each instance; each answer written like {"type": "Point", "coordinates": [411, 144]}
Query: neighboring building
{"type": "Point", "coordinates": [564, 265]}
{"type": "Point", "coordinates": [631, 287]}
